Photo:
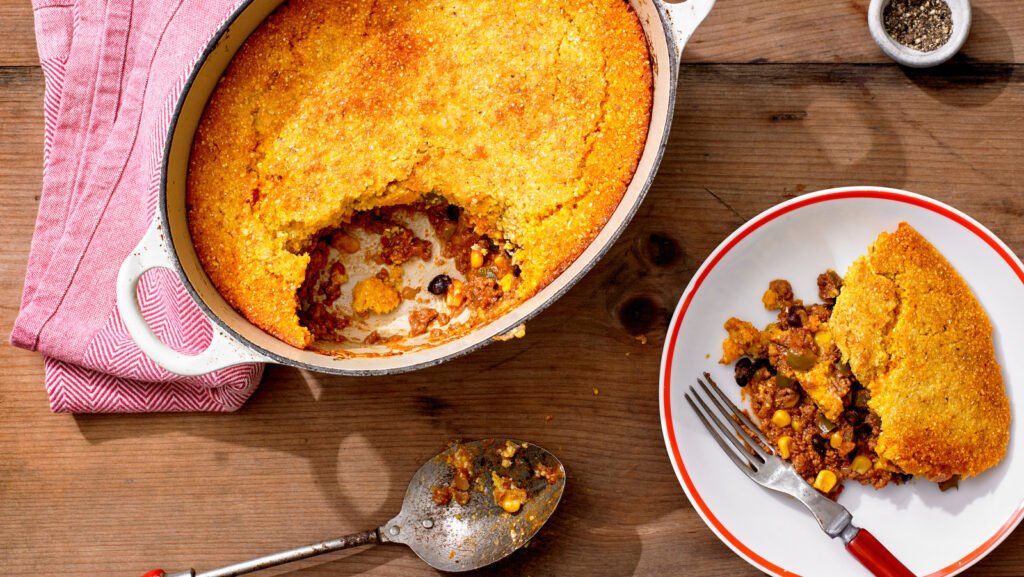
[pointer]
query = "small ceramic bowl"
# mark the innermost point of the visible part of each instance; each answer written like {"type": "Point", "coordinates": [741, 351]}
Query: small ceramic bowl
{"type": "Point", "coordinates": [961, 15]}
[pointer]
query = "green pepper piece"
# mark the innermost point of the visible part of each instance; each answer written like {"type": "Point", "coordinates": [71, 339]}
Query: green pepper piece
{"type": "Point", "coordinates": [801, 362]}
{"type": "Point", "coordinates": [784, 382]}
{"type": "Point", "coordinates": [824, 425]}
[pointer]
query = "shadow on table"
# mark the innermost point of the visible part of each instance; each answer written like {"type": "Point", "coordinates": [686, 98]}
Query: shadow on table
{"type": "Point", "coordinates": [808, 126]}
{"type": "Point", "coordinates": [968, 82]}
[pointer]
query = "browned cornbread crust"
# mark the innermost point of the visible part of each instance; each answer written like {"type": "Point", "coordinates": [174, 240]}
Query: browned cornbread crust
{"type": "Point", "coordinates": [529, 115]}
{"type": "Point", "coordinates": [917, 338]}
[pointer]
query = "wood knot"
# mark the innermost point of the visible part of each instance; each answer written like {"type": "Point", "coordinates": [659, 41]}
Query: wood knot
{"type": "Point", "coordinates": [660, 249]}
{"type": "Point", "coordinates": [639, 315]}
{"type": "Point", "coordinates": [429, 406]}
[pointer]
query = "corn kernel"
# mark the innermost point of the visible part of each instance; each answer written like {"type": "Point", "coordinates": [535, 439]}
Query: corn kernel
{"type": "Point", "coordinates": [785, 447]}
{"type": "Point", "coordinates": [454, 297]}
{"type": "Point", "coordinates": [506, 282]}
{"type": "Point", "coordinates": [823, 339]}
{"type": "Point", "coordinates": [798, 426]}
{"type": "Point", "coordinates": [825, 481]}
{"type": "Point", "coordinates": [509, 450]}
{"type": "Point", "coordinates": [861, 464]}
{"type": "Point", "coordinates": [506, 494]}
{"type": "Point", "coordinates": [836, 440]}
{"type": "Point", "coordinates": [476, 258]}
{"type": "Point", "coordinates": [781, 418]}
{"type": "Point", "coordinates": [511, 504]}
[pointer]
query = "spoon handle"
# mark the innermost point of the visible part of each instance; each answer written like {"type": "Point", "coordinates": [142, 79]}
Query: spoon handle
{"type": "Point", "coordinates": [371, 537]}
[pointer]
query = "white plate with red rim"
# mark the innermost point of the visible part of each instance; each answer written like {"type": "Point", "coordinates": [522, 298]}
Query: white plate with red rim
{"type": "Point", "coordinates": [934, 533]}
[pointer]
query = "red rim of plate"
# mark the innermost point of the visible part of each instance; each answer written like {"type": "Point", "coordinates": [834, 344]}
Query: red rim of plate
{"type": "Point", "coordinates": [723, 249]}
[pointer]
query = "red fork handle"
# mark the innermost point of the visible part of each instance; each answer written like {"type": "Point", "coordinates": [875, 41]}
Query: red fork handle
{"type": "Point", "coordinates": [155, 573]}
{"type": "Point", "coordinates": [873, 555]}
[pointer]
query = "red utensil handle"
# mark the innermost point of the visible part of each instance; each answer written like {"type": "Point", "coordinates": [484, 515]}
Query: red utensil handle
{"type": "Point", "coordinates": [155, 573]}
{"type": "Point", "coordinates": [873, 555]}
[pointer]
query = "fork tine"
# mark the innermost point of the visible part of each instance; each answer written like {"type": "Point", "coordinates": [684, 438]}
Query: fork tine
{"type": "Point", "coordinates": [735, 431]}
{"type": "Point", "coordinates": [744, 464]}
{"type": "Point", "coordinates": [745, 436]}
{"type": "Point", "coordinates": [736, 436]}
{"type": "Point", "coordinates": [734, 410]}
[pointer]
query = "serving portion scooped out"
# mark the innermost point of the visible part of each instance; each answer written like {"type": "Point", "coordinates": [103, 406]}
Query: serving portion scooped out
{"type": "Point", "coordinates": [893, 375]}
{"type": "Point", "coordinates": [528, 119]}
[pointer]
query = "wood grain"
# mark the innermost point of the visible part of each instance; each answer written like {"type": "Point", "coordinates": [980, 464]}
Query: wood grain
{"type": "Point", "coordinates": [736, 31]}
{"type": "Point", "coordinates": [17, 34]}
{"type": "Point", "coordinates": [313, 456]}
{"type": "Point", "coordinates": [827, 31]}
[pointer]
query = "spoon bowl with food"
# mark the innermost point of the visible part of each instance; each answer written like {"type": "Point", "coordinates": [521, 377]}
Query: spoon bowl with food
{"type": "Point", "coordinates": [467, 507]}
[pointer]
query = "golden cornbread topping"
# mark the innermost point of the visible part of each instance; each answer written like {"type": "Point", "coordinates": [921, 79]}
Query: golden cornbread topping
{"type": "Point", "coordinates": [528, 116]}
{"type": "Point", "coordinates": [917, 337]}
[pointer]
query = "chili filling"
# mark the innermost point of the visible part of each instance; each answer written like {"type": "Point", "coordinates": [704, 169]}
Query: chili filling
{"type": "Point", "coordinates": [500, 470]}
{"type": "Point", "coordinates": [483, 270]}
{"type": "Point", "coordinates": [807, 401]}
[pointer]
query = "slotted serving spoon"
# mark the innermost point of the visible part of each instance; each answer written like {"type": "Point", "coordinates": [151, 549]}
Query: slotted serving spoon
{"type": "Point", "coordinates": [452, 537]}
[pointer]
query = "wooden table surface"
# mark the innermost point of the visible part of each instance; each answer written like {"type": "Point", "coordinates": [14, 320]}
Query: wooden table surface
{"type": "Point", "coordinates": [776, 99]}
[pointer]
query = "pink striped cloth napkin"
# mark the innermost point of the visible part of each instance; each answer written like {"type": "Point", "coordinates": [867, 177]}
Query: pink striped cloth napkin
{"type": "Point", "coordinates": [113, 70]}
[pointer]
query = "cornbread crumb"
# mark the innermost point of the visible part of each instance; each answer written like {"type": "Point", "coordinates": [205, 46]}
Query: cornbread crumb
{"type": "Point", "coordinates": [375, 295]}
{"type": "Point", "coordinates": [744, 340]}
{"type": "Point", "coordinates": [530, 116]}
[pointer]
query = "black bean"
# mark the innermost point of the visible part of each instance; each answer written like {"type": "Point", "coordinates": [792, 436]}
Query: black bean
{"type": "Point", "coordinates": [439, 284]}
{"type": "Point", "coordinates": [764, 364]}
{"type": "Point", "coordinates": [453, 212]}
{"type": "Point", "coordinates": [863, 431]}
{"type": "Point", "coordinates": [818, 442]}
{"type": "Point", "coordinates": [793, 319]}
{"type": "Point", "coordinates": [516, 271]}
{"type": "Point", "coordinates": [744, 371]}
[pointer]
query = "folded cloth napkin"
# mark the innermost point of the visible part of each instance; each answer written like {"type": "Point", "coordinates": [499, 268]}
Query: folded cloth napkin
{"type": "Point", "coordinates": [113, 71]}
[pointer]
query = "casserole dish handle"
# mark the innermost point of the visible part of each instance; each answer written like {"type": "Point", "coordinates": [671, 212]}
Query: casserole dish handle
{"type": "Point", "coordinates": [684, 18]}
{"type": "Point", "coordinates": [224, 350]}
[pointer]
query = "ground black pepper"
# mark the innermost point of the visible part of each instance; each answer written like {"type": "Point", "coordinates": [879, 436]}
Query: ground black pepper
{"type": "Point", "coordinates": [923, 25]}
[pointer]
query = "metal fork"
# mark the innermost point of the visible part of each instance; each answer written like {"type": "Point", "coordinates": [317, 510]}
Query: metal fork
{"type": "Point", "coordinates": [753, 454]}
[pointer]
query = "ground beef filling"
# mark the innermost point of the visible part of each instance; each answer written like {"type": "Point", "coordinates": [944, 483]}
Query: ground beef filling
{"type": "Point", "coordinates": [789, 372]}
{"type": "Point", "coordinates": [487, 267]}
